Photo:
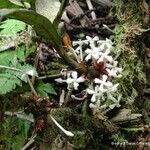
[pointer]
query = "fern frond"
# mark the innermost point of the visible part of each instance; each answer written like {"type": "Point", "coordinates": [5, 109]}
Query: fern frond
{"type": "Point", "coordinates": [11, 27]}
{"type": "Point", "coordinates": [8, 82]}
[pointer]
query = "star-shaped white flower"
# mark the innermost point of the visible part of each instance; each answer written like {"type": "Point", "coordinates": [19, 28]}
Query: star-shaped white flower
{"type": "Point", "coordinates": [113, 70]}
{"type": "Point", "coordinates": [113, 88]}
{"type": "Point", "coordinates": [104, 56]}
{"type": "Point", "coordinates": [92, 40]}
{"type": "Point", "coordinates": [96, 93]}
{"type": "Point", "coordinates": [104, 84]}
{"type": "Point", "coordinates": [80, 44]}
{"type": "Point", "coordinates": [74, 81]}
{"type": "Point", "coordinates": [116, 101]}
{"type": "Point", "coordinates": [92, 53]}
{"type": "Point", "coordinates": [105, 44]}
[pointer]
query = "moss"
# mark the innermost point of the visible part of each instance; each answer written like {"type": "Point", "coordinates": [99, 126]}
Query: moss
{"type": "Point", "coordinates": [83, 127]}
{"type": "Point", "coordinates": [127, 39]}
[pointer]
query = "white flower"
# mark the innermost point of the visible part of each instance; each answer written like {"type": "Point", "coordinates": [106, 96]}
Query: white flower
{"type": "Point", "coordinates": [113, 70]}
{"type": "Point", "coordinates": [113, 88]}
{"type": "Point", "coordinates": [105, 44]}
{"type": "Point", "coordinates": [104, 84]}
{"type": "Point", "coordinates": [92, 40]}
{"type": "Point", "coordinates": [116, 101]}
{"type": "Point", "coordinates": [80, 44]}
{"type": "Point", "coordinates": [92, 53]}
{"type": "Point", "coordinates": [73, 80]}
{"type": "Point", "coordinates": [105, 57]}
{"type": "Point", "coordinates": [96, 93]}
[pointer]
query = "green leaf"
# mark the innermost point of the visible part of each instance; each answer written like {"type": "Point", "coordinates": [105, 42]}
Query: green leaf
{"type": "Point", "coordinates": [40, 23]}
{"type": "Point", "coordinates": [16, 2]}
{"type": "Point", "coordinates": [22, 71]}
{"type": "Point", "coordinates": [7, 4]}
{"type": "Point", "coordinates": [31, 2]}
{"type": "Point", "coordinates": [45, 89]}
{"type": "Point", "coordinates": [27, 70]}
{"type": "Point", "coordinates": [48, 8]}
{"type": "Point", "coordinates": [10, 27]}
{"type": "Point", "coordinates": [134, 129]}
{"type": "Point", "coordinates": [6, 57]}
{"type": "Point", "coordinates": [8, 82]}
{"type": "Point", "coordinates": [21, 53]}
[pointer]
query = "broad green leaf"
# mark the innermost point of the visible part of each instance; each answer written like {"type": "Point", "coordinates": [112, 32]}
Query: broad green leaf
{"type": "Point", "coordinates": [40, 23]}
{"type": "Point", "coordinates": [44, 89]}
{"type": "Point", "coordinates": [7, 4]}
{"type": "Point", "coordinates": [48, 8]}
{"type": "Point", "coordinates": [10, 27]}
{"type": "Point", "coordinates": [8, 82]}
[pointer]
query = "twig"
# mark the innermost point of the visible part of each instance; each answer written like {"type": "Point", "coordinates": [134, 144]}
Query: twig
{"type": "Point", "coordinates": [32, 87]}
{"type": "Point", "coordinates": [90, 6]}
{"type": "Point", "coordinates": [19, 115]}
{"type": "Point", "coordinates": [53, 76]}
{"type": "Point", "coordinates": [77, 10]}
{"type": "Point", "coordinates": [62, 98]}
{"type": "Point", "coordinates": [36, 62]}
{"type": "Point", "coordinates": [31, 141]}
{"type": "Point", "coordinates": [67, 99]}
{"type": "Point", "coordinates": [104, 3]}
{"type": "Point", "coordinates": [106, 27]}
{"type": "Point", "coordinates": [78, 98]}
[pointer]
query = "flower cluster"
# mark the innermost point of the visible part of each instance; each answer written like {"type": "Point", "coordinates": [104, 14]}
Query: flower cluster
{"type": "Point", "coordinates": [99, 54]}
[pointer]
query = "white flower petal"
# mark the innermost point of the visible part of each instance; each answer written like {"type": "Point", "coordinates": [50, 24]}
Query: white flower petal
{"type": "Point", "coordinates": [88, 38]}
{"type": "Point", "coordinates": [109, 58]}
{"type": "Point", "coordinates": [89, 91]}
{"type": "Point", "coordinates": [75, 85]}
{"type": "Point", "coordinates": [92, 106]}
{"type": "Point", "coordinates": [88, 51]}
{"type": "Point", "coordinates": [74, 74]}
{"type": "Point", "coordinates": [95, 55]}
{"type": "Point", "coordinates": [107, 51]}
{"type": "Point", "coordinates": [93, 98]}
{"type": "Point", "coordinates": [108, 84]}
{"type": "Point", "coordinates": [80, 79]}
{"type": "Point", "coordinates": [104, 78]}
{"type": "Point", "coordinates": [100, 59]}
{"type": "Point", "coordinates": [88, 57]}
{"type": "Point", "coordinates": [96, 38]}
{"type": "Point", "coordinates": [69, 80]}
{"type": "Point", "coordinates": [112, 106]}
{"type": "Point", "coordinates": [114, 88]}
{"type": "Point", "coordinates": [98, 81]}
{"type": "Point", "coordinates": [59, 80]}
